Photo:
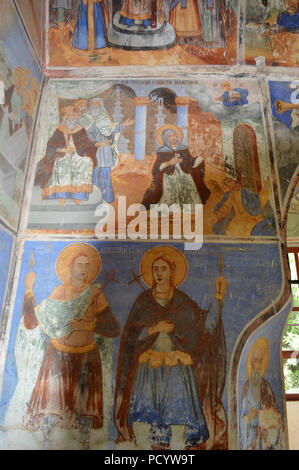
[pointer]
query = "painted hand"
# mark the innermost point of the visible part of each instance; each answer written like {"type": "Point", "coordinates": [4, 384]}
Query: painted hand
{"type": "Point", "coordinates": [163, 326]}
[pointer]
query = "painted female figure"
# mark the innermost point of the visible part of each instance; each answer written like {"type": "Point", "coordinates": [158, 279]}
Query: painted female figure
{"type": "Point", "coordinates": [178, 178]}
{"type": "Point", "coordinates": [163, 368]}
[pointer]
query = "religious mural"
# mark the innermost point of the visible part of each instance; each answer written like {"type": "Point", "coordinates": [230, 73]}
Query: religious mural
{"type": "Point", "coordinates": [155, 142]}
{"type": "Point", "coordinates": [149, 287]}
{"type": "Point", "coordinates": [284, 108]}
{"type": "Point", "coordinates": [85, 33]}
{"type": "Point", "coordinates": [271, 30]}
{"type": "Point", "coordinates": [261, 411]}
{"type": "Point", "coordinates": [103, 335]}
{"type": "Point", "coordinates": [21, 76]}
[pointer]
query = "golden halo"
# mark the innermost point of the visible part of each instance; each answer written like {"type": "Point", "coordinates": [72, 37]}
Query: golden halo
{"type": "Point", "coordinates": [170, 127]}
{"type": "Point", "coordinates": [261, 344]}
{"type": "Point", "coordinates": [169, 252]}
{"type": "Point", "coordinates": [68, 255]}
{"type": "Point", "coordinates": [226, 85]}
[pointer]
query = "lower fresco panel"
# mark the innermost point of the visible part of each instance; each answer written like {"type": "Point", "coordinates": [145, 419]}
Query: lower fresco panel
{"type": "Point", "coordinates": [129, 346]}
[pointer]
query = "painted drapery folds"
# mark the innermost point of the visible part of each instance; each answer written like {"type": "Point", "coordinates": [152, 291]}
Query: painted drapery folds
{"type": "Point", "coordinates": [145, 280]}
{"type": "Point", "coordinates": [105, 33]}
{"type": "Point", "coordinates": [21, 76]}
{"type": "Point", "coordinates": [177, 142]}
{"type": "Point", "coordinates": [271, 30]}
{"type": "Point", "coordinates": [109, 370]}
{"type": "Point", "coordinates": [284, 109]}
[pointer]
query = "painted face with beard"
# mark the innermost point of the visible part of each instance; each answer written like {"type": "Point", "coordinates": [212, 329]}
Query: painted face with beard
{"type": "Point", "coordinates": [256, 375]}
{"type": "Point", "coordinates": [96, 107]}
{"type": "Point", "coordinates": [71, 121]}
{"type": "Point", "coordinates": [70, 118]}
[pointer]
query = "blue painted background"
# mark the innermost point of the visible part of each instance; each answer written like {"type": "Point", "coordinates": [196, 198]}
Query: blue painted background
{"type": "Point", "coordinates": [272, 330]}
{"type": "Point", "coordinates": [282, 91]}
{"type": "Point", "coordinates": [252, 271]}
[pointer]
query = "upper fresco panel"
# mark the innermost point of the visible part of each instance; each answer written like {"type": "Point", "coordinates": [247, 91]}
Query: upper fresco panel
{"type": "Point", "coordinates": [271, 30]}
{"type": "Point", "coordinates": [89, 33]}
{"type": "Point", "coordinates": [148, 147]}
{"type": "Point", "coordinates": [20, 79]}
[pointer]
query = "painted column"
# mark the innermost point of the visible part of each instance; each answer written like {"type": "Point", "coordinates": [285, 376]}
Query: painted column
{"type": "Point", "coordinates": [140, 127]}
{"type": "Point", "coordinates": [183, 103]}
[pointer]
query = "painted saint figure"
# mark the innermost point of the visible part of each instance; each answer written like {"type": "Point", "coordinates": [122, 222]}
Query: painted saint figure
{"type": "Point", "coordinates": [15, 98]}
{"type": "Point", "coordinates": [289, 19]}
{"type": "Point", "coordinates": [201, 23]}
{"type": "Point", "coordinates": [178, 178]}
{"type": "Point", "coordinates": [165, 366]}
{"type": "Point", "coordinates": [233, 96]}
{"type": "Point", "coordinates": [137, 13]}
{"type": "Point", "coordinates": [65, 172]}
{"type": "Point", "coordinates": [185, 18]}
{"type": "Point", "coordinates": [68, 391]}
{"type": "Point", "coordinates": [261, 425]}
{"type": "Point", "coordinates": [101, 130]}
{"type": "Point", "coordinates": [283, 34]}
{"type": "Point", "coordinates": [100, 18]}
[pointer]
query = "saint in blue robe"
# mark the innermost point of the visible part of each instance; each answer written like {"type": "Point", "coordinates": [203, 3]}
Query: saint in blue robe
{"type": "Point", "coordinates": [80, 40]}
{"type": "Point", "coordinates": [289, 22]}
{"type": "Point", "coordinates": [230, 101]}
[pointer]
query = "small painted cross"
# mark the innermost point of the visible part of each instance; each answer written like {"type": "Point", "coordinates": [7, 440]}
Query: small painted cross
{"type": "Point", "coordinates": [136, 278]}
{"type": "Point", "coordinates": [111, 278]}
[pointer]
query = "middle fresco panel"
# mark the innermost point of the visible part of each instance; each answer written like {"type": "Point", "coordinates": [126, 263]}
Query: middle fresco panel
{"type": "Point", "coordinates": [131, 146]}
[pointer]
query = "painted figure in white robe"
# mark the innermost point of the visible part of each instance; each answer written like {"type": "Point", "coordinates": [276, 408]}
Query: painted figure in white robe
{"type": "Point", "coordinates": [66, 170]}
{"type": "Point", "coordinates": [105, 133]}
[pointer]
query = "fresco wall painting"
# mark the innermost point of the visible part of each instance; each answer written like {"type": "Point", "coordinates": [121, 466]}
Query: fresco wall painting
{"type": "Point", "coordinates": [128, 343]}
{"type": "Point", "coordinates": [262, 424]}
{"type": "Point", "coordinates": [91, 34]}
{"type": "Point", "coordinates": [215, 141]}
{"type": "Point", "coordinates": [271, 30]}
{"type": "Point", "coordinates": [21, 75]}
{"type": "Point", "coordinates": [88, 292]}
